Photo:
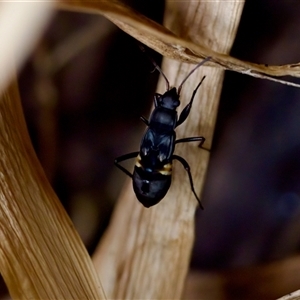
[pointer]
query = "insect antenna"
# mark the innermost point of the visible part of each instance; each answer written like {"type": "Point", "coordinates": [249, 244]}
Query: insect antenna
{"type": "Point", "coordinates": [193, 70]}
{"type": "Point", "coordinates": [162, 73]}
{"type": "Point", "coordinates": [156, 66]}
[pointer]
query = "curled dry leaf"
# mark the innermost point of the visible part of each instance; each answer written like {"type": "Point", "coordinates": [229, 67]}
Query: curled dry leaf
{"type": "Point", "coordinates": [41, 255]}
{"type": "Point", "coordinates": [168, 44]}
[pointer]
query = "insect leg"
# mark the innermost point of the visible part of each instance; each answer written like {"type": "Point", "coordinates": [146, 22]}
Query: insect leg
{"type": "Point", "coordinates": [144, 120]}
{"type": "Point", "coordinates": [186, 111]}
{"type": "Point", "coordinates": [125, 157]}
{"type": "Point", "coordinates": [188, 170]}
{"type": "Point", "coordinates": [156, 99]}
{"type": "Point", "coordinates": [192, 139]}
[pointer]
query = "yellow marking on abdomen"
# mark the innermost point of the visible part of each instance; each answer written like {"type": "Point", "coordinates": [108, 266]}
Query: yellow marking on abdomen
{"type": "Point", "coordinates": [166, 170]}
{"type": "Point", "coordinates": [138, 162]}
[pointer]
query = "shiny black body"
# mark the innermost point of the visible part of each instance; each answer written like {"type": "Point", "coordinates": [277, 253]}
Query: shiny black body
{"type": "Point", "coordinates": [153, 169]}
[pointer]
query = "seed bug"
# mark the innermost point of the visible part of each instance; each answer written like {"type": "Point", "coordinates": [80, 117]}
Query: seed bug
{"type": "Point", "coordinates": [152, 173]}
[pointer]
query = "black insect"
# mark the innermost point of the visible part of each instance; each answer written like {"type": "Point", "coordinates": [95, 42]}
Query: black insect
{"type": "Point", "coordinates": [152, 173]}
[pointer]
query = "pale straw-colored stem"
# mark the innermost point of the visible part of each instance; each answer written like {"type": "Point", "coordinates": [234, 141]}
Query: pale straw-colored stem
{"type": "Point", "coordinates": [145, 252]}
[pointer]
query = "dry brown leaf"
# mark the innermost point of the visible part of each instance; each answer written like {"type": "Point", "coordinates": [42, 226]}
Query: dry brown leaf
{"type": "Point", "coordinates": [168, 44]}
{"type": "Point", "coordinates": [41, 254]}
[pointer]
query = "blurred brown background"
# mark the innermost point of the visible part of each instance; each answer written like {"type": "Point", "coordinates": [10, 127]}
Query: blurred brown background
{"type": "Point", "coordinates": [84, 88]}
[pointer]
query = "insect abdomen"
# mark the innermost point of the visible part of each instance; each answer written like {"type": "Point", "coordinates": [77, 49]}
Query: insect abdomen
{"type": "Point", "coordinates": [151, 186]}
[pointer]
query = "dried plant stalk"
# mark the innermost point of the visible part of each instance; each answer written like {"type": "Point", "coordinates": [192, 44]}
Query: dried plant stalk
{"type": "Point", "coordinates": [292, 296]}
{"type": "Point", "coordinates": [170, 45]}
{"type": "Point", "coordinates": [41, 255]}
{"type": "Point", "coordinates": [145, 253]}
